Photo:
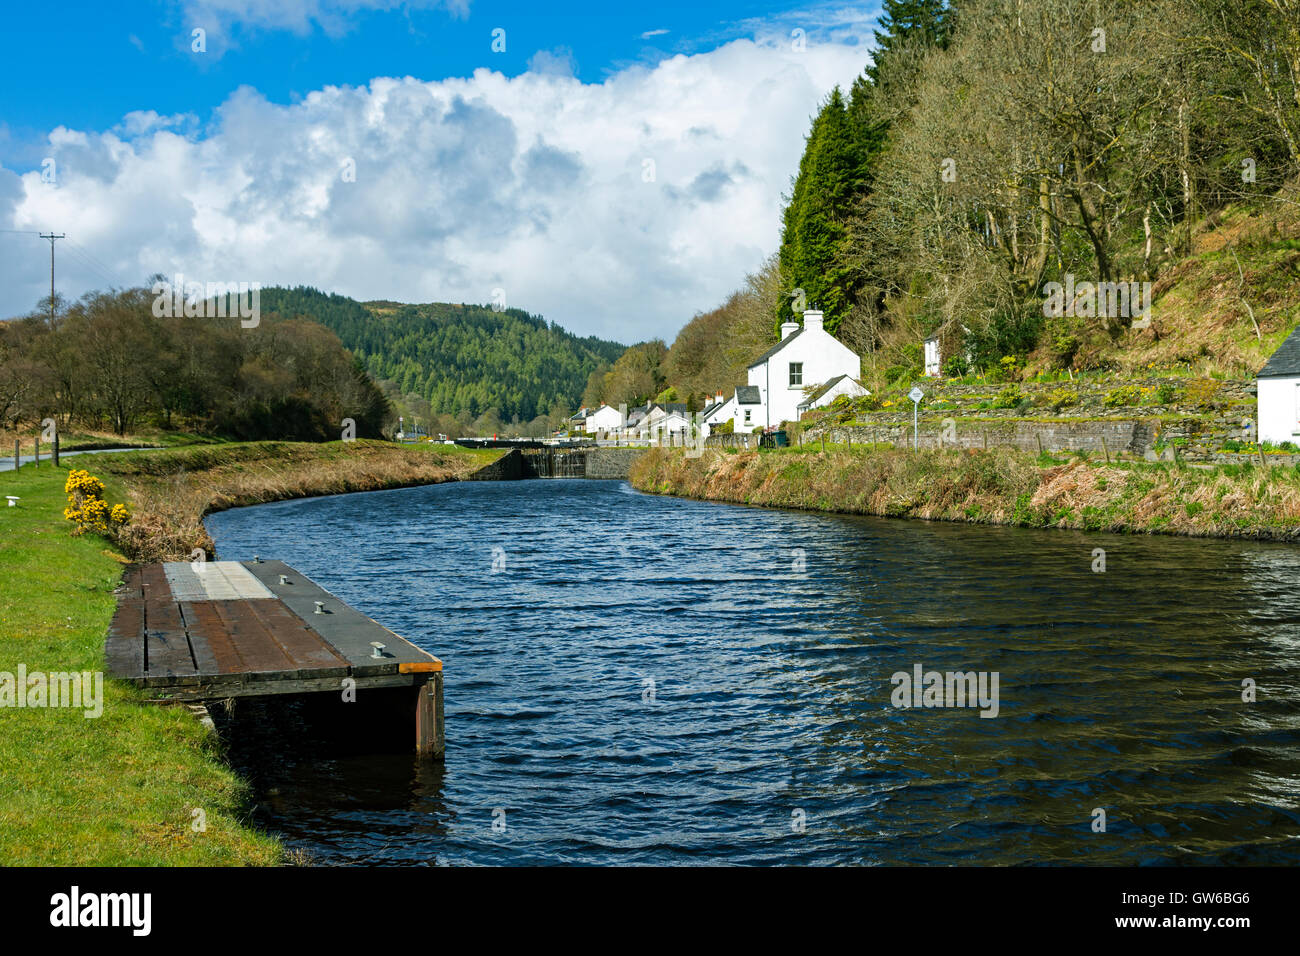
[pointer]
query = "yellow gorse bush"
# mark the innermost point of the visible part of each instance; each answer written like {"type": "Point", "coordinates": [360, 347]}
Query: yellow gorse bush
{"type": "Point", "coordinates": [87, 508]}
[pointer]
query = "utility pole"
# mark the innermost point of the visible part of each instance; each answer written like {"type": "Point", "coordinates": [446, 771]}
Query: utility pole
{"type": "Point", "coordinates": [51, 236]}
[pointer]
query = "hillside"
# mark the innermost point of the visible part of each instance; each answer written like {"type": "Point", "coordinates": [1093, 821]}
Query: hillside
{"type": "Point", "coordinates": [446, 360]}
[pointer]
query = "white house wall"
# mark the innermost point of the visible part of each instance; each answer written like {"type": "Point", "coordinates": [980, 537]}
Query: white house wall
{"type": "Point", "coordinates": [1279, 409]}
{"type": "Point", "coordinates": [823, 357]}
{"type": "Point", "coordinates": [606, 419]}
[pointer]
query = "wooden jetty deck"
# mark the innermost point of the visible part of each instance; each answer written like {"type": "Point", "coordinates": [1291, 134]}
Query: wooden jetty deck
{"type": "Point", "coordinates": [216, 630]}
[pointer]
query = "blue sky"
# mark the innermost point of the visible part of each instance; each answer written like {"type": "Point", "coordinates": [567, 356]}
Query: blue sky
{"type": "Point", "coordinates": [137, 126]}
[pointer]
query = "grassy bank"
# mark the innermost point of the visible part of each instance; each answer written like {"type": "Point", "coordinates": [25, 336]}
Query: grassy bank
{"type": "Point", "coordinates": [998, 486]}
{"type": "Point", "coordinates": [122, 788]}
{"type": "Point", "coordinates": [90, 440]}
{"type": "Point", "coordinates": [170, 491]}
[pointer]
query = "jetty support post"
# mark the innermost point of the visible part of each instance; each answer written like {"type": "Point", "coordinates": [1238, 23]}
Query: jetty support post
{"type": "Point", "coordinates": [430, 739]}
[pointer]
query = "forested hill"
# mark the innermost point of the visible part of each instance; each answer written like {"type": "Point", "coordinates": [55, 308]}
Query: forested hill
{"type": "Point", "coordinates": [465, 360]}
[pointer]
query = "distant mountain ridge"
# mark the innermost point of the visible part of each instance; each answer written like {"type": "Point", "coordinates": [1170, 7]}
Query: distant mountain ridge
{"type": "Point", "coordinates": [463, 359]}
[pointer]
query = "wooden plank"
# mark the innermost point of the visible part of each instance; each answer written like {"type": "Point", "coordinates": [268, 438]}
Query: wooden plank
{"type": "Point", "coordinates": [168, 659]}
{"type": "Point", "coordinates": [257, 648]}
{"type": "Point", "coordinates": [124, 646]}
{"type": "Point", "coordinates": [304, 647]}
{"type": "Point", "coordinates": [348, 630]}
{"type": "Point", "coordinates": [426, 719]}
{"type": "Point", "coordinates": [425, 667]}
{"type": "Point", "coordinates": [205, 659]}
{"type": "Point", "coordinates": [247, 685]}
{"type": "Point", "coordinates": [167, 654]}
{"type": "Point", "coordinates": [206, 627]}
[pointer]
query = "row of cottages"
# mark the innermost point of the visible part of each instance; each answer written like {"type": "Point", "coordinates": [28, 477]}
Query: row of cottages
{"type": "Point", "coordinates": [808, 368]}
{"type": "Point", "coordinates": [653, 421]}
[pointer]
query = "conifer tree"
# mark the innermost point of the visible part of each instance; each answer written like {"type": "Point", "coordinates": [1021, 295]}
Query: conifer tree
{"type": "Point", "coordinates": [831, 175]}
{"type": "Point", "coordinates": [924, 21]}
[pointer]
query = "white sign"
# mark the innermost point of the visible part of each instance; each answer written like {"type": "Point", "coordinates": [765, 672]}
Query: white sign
{"type": "Point", "coordinates": [916, 395]}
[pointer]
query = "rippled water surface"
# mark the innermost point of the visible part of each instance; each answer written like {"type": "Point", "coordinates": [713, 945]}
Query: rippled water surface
{"type": "Point", "coordinates": [652, 680]}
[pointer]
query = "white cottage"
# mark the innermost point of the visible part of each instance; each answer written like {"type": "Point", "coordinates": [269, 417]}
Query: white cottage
{"type": "Point", "coordinates": [804, 356]}
{"type": "Point", "coordinates": [718, 412]}
{"type": "Point", "coordinates": [1278, 396]}
{"type": "Point", "coordinates": [932, 356]}
{"type": "Point", "coordinates": [605, 420]}
{"type": "Point", "coordinates": [665, 422]}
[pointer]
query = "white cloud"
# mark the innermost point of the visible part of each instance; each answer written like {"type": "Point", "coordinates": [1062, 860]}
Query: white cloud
{"type": "Point", "coordinates": [534, 184]}
{"type": "Point", "coordinates": [298, 16]}
{"type": "Point", "coordinates": [653, 33]}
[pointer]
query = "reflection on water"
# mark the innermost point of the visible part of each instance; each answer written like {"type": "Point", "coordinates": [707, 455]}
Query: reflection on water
{"type": "Point", "coordinates": [652, 680]}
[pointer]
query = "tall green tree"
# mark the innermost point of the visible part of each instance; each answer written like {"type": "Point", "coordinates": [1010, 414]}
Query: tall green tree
{"type": "Point", "coordinates": [922, 22]}
{"type": "Point", "coordinates": [832, 175]}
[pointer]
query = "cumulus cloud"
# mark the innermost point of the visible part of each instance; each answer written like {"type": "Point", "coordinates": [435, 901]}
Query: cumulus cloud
{"type": "Point", "coordinates": [617, 208]}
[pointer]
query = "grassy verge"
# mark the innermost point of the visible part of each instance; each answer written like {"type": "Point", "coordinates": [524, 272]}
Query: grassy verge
{"type": "Point", "coordinates": [123, 788]}
{"type": "Point", "coordinates": [170, 491]}
{"type": "Point", "coordinates": [93, 440]}
{"type": "Point", "coordinates": [119, 789]}
{"type": "Point", "coordinates": [998, 486]}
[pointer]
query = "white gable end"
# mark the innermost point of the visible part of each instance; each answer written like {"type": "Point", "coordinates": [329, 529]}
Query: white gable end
{"type": "Point", "coordinates": [805, 358]}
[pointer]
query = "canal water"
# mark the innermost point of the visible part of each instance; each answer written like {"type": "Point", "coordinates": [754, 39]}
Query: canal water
{"type": "Point", "coordinates": [641, 680]}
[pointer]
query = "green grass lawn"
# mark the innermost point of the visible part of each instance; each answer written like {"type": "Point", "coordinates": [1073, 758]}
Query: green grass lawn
{"type": "Point", "coordinates": [120, 789]}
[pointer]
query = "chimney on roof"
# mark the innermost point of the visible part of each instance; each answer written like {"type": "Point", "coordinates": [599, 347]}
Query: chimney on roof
{"type": "Point", "coordinates": [788, 327]}
{"type": "Point", "coordinates": [812, 319]}
{"type": "Point", "coordinates": [718, 398]}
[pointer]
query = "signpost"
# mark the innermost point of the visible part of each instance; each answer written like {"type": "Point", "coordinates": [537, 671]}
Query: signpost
{"type": "Point", "coordinates": [916, 395]}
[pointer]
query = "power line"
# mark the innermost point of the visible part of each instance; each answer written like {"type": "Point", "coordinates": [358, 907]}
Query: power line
{"type": "Point", "coordinates": [95, 270]}
{"type": "Point", "coordinates": [97, 265]}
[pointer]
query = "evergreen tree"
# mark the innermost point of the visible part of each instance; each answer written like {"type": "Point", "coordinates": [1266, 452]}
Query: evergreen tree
{"type": "Point", "coordinates": [928, 22]}
{"type": "Point", "coordinates": [832, 174]}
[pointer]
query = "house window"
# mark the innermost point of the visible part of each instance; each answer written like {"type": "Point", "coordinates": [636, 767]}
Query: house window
{"type": "Point", "coordinates": [796, 374]}
{"type": "Point", "coordinates": [747, 416]}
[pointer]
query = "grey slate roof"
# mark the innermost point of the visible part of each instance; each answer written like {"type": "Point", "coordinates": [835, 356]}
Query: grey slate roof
{"type": "Point", "coordinates": [1286, 360]}
{"type": "Point", "coordinates": [823, 390]}
{"type": "Point", "coordinates": [748, 395]}
{"type": "Point", "coordinates": [776, 348]}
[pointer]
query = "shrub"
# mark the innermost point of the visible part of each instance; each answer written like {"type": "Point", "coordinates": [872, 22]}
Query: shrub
{"type": "Point", "coordinates": [1008, 369]}
{"type": "Point", "coordinates": [955, 366]}
{"type": "Point", "coordinates": [1166, 393]}
{"type": "Point", "coordinates": [1061, 398]}
{"type": "Point", "coordinates": [1009, 397]}
{"type": "Point", "coordinates": [87, 508]}
{"type": "Point", "coordinates": [1202, 391]}
{"type": "Point", "coordinates": [1124, 395]}
{"type": "Point", "coordinates": [901, 373]}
